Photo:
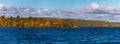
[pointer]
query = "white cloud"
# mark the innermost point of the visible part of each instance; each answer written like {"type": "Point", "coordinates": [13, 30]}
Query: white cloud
{"type": "Point", "coordinates": [94, 6]}
{"type": "Point", "coordinates": [1, 6]}
{"type": "Point", "coordinates": [110, 8]}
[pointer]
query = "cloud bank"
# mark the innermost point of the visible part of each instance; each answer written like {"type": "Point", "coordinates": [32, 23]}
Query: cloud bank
{"type": "Point", "coordinates": [91, 12]}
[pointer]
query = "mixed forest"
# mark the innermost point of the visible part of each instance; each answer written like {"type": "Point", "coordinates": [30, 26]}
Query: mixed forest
{"type": "Point", "coordinates": [34, 22]}
{"type": "Point", "coordinates": [52, 22]}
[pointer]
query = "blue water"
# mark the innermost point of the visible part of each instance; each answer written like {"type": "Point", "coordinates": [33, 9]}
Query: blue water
{"type": "Point", "coordinates": [82, 35]}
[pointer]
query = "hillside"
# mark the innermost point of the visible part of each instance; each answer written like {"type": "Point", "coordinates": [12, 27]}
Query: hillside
{"type": "Point", "coordinates": [35, 22]}
{"type": "Point", "coordinates": [53, 22]}
{"type": "Point", "coordinates": [93, 23]}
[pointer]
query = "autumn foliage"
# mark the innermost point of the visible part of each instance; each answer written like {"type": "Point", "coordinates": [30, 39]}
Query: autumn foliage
{"type": "Point", "coordinates": [52, 22]}
{"type": "Point", "coordinates": [34, 22]}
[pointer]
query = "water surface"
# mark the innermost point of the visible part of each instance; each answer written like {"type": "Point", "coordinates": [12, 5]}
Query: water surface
{"type": "Point", "coordinates": [82, 35]}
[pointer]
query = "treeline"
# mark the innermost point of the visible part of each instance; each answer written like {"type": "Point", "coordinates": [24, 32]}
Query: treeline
{"type": "Point", "coordinates": [92, 23]}
{"type": "Point", "coordinates": [34, 22]}
{"type": "Point", "coordinates": [52, 22]}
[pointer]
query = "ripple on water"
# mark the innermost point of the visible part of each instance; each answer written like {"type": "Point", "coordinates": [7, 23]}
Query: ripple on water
{"type": "Point", "coordinates": [12, 35]}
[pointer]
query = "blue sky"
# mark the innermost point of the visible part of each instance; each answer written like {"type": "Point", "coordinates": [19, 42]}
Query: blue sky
{"type": "Point", "coordinates": [79, 9]}
{"type": "Point", "coordinates": [56, 4]}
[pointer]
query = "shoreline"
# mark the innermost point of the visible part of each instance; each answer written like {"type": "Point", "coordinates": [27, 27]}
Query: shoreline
{"type": "Point", "coordinates": [36, 22]}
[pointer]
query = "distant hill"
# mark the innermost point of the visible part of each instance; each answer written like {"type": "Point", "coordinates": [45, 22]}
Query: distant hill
{"type": "Point", "coordinates": [94, 23]}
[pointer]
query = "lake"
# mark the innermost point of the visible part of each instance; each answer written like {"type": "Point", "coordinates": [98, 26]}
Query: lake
{"type": "Point", "coordinates": [82, 35]}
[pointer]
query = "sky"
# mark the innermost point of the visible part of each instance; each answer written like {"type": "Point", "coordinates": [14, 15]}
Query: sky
{"type": "Point", "coordinates": [105, 10]}
{"type": "Point", "coordinates": [56, 4]}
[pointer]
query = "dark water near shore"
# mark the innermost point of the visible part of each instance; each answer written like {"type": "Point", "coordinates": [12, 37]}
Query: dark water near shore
{"type": "Point", "coordinates": [83, 35]}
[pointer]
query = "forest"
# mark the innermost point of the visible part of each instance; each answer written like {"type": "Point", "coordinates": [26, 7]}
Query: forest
{"type": "Point", "coordinates": [34, 22]}
{"type": "Point", "coordinates": [52, 22]}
